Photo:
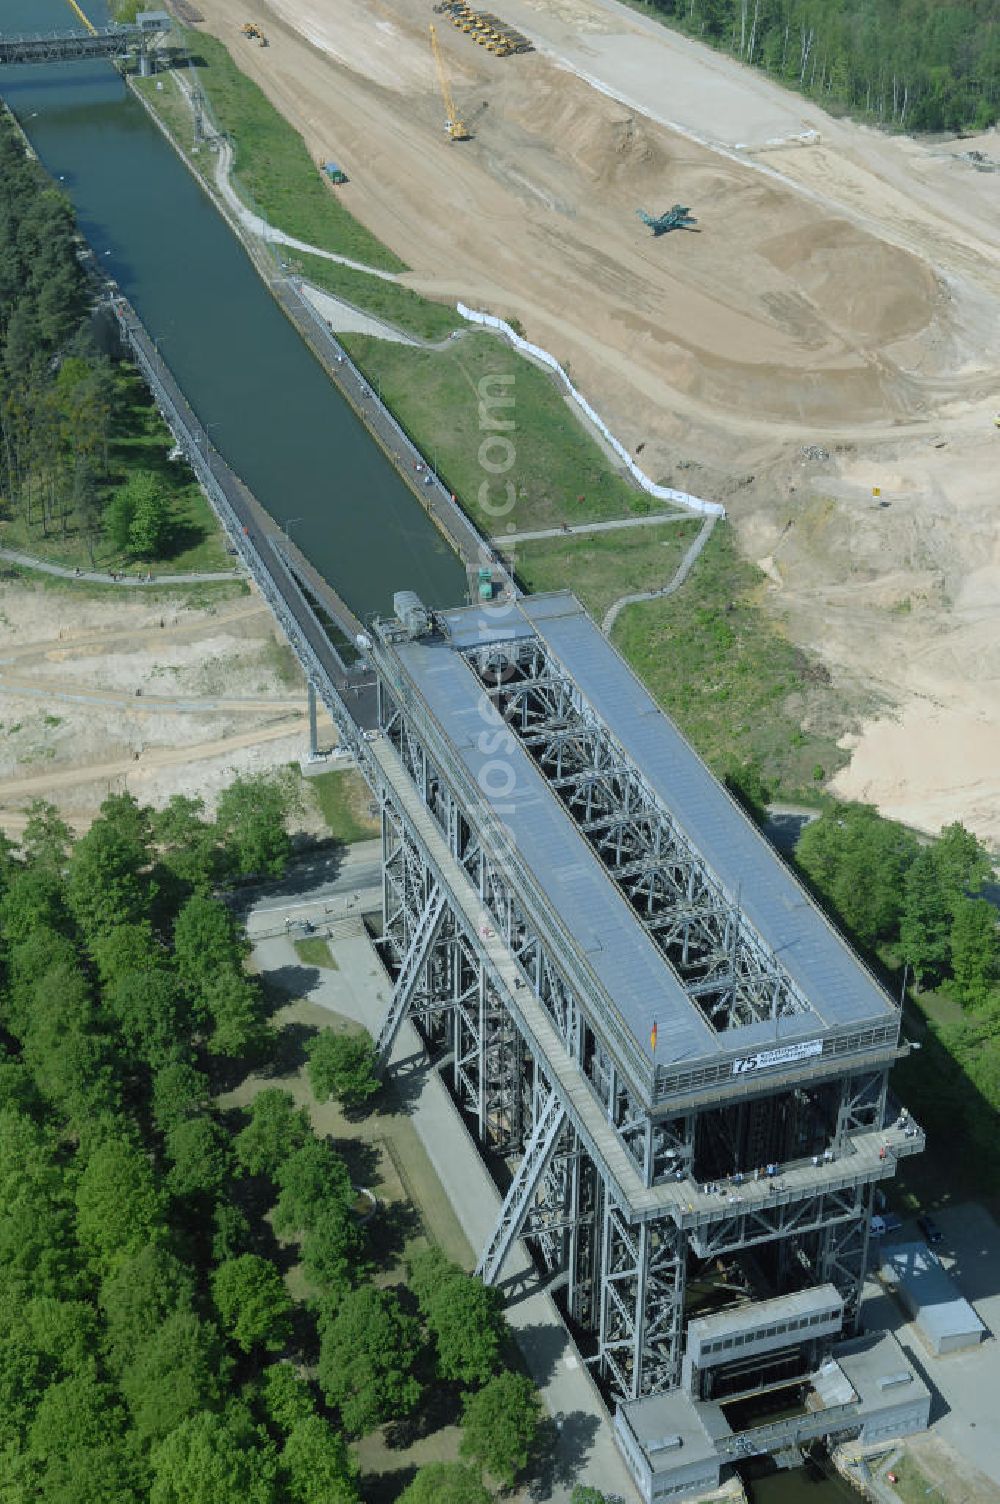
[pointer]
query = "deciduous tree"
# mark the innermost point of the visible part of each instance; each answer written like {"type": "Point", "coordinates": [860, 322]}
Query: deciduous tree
{"type": "Point", "coordinates": [857, 861]}
{"type": "Point", "coordinates": [138, 1296]}
{"type": "Point", "coordinates": [179, 1371]}
{"type": "Point", "coordinates": [286, 1395]}
{"type": "Point", "coordinates": [368, 1355]}
{"type": "Point", "coordinates": [214, 1459]}
{"type": "Point", "coordinates": [180, 1092]}
{"type": "Point", "coordinates": [253, 1304]}
{"type": "Point", "coordinates": [201, 1155]}
{"type": "Point", "coordinates": [312, 1179]}
{"type": "Point", "coordinates": [500, 1426]}
{"type": "Point", "coordinates": [276, 1130]}
{"type": "Point", "coordinates": [975, 951]}
{"type": "Point", "coordinates": [118, 1204]}
{"type": "Point", "coordinates": [465, 1318]}
{"type": "Point", "coordinates": [251, 814]}
{"type": "Point", "coordinates": [342, 1066]}
{"type": "Point", "coordinates": [446, 1483]}
{"type": "Point", "coordinates": [317, 1465]}
{"type": "Point", "coordinates": [926, 918]}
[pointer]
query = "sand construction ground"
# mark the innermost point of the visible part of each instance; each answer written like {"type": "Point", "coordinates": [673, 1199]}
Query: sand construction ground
{"type": "Point", "coordinates": [833, 325]}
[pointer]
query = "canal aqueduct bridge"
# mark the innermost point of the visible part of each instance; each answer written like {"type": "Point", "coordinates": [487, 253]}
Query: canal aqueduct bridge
{"type": "Point", "coordinates": [638, 1007]}
{"type": "Point", "coordinates": [111, 42]}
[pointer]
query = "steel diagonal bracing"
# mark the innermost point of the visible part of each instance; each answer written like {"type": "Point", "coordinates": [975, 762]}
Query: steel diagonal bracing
{"type": "Point", "coordinates": [728, 971]}
{"type": "Point", "coordinates": [565, 1187]}
{"type": "Point", "coordinates": [517, 1203]}
{"type": "Point", "coordinates": [520, 1034]}
{"type": "Point", "coordinates": [744, 1225]}
{"type": "Point", "coordinates": [642, 1303]}
{"type": "Point", "coordinates": [424, 935]}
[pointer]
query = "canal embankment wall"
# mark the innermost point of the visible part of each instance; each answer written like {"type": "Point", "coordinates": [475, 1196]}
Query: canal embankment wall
{"type": "Point", "coordinates": [380, 422]}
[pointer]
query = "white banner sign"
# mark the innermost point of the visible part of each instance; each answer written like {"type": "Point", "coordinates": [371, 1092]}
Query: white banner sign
{"type": "Point", "coordinates": [765, 1059]}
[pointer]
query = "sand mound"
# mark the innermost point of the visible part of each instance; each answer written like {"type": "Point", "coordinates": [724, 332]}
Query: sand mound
{"type": "Point", "coordinates": [875, 291]}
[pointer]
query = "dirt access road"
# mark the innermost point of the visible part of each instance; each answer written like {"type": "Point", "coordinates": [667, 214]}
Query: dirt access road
{"type": "Point", "coordinates": [834, 324]}
{"type": "Point", "coordinates": [99, 693]}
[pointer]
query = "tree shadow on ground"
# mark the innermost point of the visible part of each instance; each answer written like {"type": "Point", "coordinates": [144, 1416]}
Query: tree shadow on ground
{"type": "Point", "coordinates": [291, 981]}
{"type": "Point", "coordinates": [563, 1447]}
{"type": "Point", "coordinates": [290, 1053]}
{"type": "Point", "coordinates": [440, 1406]}
{"type": "Point", "coordinates": [404, 1083]}
{"type": "Point", "coordinates": [385, 1488]}
{"type": "Point", "coordinates": [541, 1346]}
{"type": "Point", "coordinates": [393, 1226]}
{"type": "Point", "coordinates": [362, 1158]}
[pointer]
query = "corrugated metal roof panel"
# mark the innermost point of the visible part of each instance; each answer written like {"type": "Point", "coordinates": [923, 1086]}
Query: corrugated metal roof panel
{"type": "Point", "coordinates": [626, 963]}
{"type": "Point", "coordinates": [828, 973]}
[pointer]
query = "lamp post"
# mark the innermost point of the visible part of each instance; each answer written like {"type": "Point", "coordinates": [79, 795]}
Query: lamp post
{"type": "Point", "coordinates": [289, 524]}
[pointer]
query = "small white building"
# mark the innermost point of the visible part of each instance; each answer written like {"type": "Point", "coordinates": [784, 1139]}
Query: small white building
{"type": "Point", "coordinates": [944, 1319]}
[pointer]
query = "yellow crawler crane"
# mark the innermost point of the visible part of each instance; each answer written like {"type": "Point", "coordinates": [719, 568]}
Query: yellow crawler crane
{"type": "Point", "coordinates": [457, 129]}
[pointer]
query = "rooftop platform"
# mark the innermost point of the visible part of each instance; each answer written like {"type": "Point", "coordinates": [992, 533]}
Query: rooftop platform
{"type": "Point", "coordinates": [580, 906]}
{"type": "Point", "coordinates": [868, 1388]}
{"type": "Point", "coordinates": [871, 1157]}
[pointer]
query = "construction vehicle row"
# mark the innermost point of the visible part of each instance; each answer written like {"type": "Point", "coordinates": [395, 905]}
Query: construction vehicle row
{"type": "Point", "coordinates": [253, 33]}
{"type": "Point", "coordinates": [488, 30]}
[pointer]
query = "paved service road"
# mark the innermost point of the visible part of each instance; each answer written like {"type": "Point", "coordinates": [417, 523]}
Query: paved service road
{"type": "Point", "coordinates": [965, 1385]}
{"type": "Point", "coordinates": [324, 886]}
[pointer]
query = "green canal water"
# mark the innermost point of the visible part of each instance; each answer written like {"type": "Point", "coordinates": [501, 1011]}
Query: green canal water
{"type": "Point", "coordinates": [268, 405]}
{"type": "Point", "coordinates": [801, 1485]}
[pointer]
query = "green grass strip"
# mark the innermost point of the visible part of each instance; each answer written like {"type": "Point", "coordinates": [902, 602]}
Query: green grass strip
{"type": "Point", "coordinates": [273, 170]}
{"type": "Point", "coordinates": [399, 306]}
{"type": "Point", "coordinates": [601, 567]}
{"type": "Point", "coordinates": [500, 433]}
{"type": "Point", "coordinates": [739, 690]}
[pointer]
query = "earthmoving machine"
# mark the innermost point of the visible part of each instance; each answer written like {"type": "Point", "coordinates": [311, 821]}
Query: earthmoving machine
{"type": "Point", "coordinates": [457, 129]}
{"type": "Point", "coordinates": [677, 218]}
{"type": "Point", "coordinates": [252, 32]}
{"type": "Point", "coordinates": [488, 30]}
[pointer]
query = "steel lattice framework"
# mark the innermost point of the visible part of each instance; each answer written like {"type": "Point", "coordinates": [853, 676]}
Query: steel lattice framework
{"type": "Point", "coordinates": [71, 46]}
{"type": "Point", "coordinates": [604, 1172]}
{"type": "Point", "coordinates": [626, 1175]}
{"type": "Point", "coordinates": [726, 969]}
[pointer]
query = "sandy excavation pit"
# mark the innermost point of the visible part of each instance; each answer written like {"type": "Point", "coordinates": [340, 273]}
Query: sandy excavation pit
{"type": "Point", "coordinates": [842, 294]}
{"type": "Point", "coordinates": [218, 694]}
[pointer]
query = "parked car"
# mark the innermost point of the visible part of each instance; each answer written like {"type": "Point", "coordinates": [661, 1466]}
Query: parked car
{"type": "Point", "coordinates": [930, 1229]}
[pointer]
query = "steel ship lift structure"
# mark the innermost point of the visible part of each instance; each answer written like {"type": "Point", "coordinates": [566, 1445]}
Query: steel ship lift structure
{"type": "Point", "coordinates": [684, 1065]}
{"type": "Point", "coordinates": [642, 1009]}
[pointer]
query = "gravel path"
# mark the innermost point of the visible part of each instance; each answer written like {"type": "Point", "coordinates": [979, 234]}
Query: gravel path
{"type": "Point", "coordinates": [683, 570]}
{"type": "Point", "coordinates": [106, 577]}
{"type": "Point", "coordinates": [575, 529]}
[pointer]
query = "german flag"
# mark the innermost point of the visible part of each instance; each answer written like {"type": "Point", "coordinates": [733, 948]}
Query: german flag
{"type": "Point", "coordinates": [652, 1037]}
